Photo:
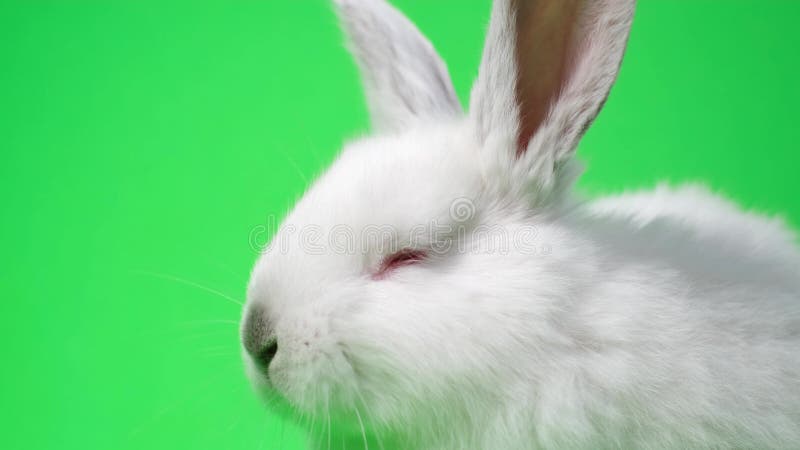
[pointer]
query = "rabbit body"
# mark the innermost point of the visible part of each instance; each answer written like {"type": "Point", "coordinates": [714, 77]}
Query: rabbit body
{"type": "Point", "coordinates": [508, 313]}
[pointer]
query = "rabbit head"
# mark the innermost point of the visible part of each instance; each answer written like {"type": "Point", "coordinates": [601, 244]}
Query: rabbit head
{"type": "Point", "coordinates": [413, 282]}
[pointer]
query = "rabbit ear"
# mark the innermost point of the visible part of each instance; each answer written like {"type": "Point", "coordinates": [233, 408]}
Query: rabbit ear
{"type": "Point", "coordinates": [404, 78]}
{"type": "Point", "coordinates": [547, 68]}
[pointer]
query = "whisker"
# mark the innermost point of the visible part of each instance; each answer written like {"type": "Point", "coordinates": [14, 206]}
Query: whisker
{"type": "Point", "coordinates": [275, 421]}
{"type": "Point", "coordinates": [328, 408]}
{"type": "Point", "coordinates": [182, 401]}
{"type": "Point", "coordinates": [219, 265]}
{"type": "Point", "coordinates": [169, 277]}
{"type": "Point", "coordinates": [224, 347]}
{"type": "Point", "coordinates": [213, 354]}
{"type": "Point", "coordinates": [283, 432]}
{"type": "Point", "coordinates": [294, 165]}
{"type": "Point", "coordinates": [311, 144]}
{"type": "Point", "coordinates": [370, 416]}
{"type": "Point", "coordinates": [234, 424]}
{"type": "Point", "coordinates": [181, 330]}
{"type": "Point", "coordinates": [313, 426]}
{"type": "Point", "coordinates": [209, 322]}
{"type": "Point", "coordinates": [363, 431]}
{"type": "Point", "coordinates": [216, 333]}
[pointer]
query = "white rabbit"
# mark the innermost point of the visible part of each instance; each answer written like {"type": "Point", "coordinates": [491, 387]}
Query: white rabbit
{"type": "Point", "coordinates": [664, 319]}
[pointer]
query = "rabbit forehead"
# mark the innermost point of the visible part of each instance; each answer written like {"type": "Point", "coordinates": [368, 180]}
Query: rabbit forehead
{"type": "Point", "coordinates": [400, 181]}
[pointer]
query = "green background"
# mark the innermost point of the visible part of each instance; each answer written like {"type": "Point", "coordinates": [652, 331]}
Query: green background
{"type": "Point", "coordinates": [143, 141]}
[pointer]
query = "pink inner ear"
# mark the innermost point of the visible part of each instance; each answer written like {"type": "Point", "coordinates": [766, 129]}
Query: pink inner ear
{"type": "Point", "coordinates": [404, 257]}
{"type": "Point", "coordinates": [544, 56]}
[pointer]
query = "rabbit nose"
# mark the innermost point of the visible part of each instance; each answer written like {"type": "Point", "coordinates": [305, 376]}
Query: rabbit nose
{"type": "Point", "coordinates": [258, 338]}
{"type": "Point", "coordinates": [264, 357]}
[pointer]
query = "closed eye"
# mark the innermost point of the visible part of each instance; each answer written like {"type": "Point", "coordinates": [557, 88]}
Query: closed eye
{"type": "Point", "coordinates": [404, 257]}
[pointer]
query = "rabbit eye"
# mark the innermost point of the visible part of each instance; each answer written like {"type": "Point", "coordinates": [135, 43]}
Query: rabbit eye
{"type": "Point", "coordinates": [404, 257]}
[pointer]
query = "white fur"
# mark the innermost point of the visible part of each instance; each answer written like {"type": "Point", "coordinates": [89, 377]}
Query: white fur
{"type": "Point", "coordinates": [654, 320]}
{"type": "Point", "coordinates": [404, 78]}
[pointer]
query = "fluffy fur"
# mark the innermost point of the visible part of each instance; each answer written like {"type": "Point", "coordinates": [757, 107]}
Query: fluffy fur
{"type": "Point", "coordinates": [658, 320]}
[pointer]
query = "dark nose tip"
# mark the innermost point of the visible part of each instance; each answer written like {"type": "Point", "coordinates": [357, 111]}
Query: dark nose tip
{"type": "Point", "coordinates": [258, 337]}
{"type": "Point", "coordinates": [266, 354]}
